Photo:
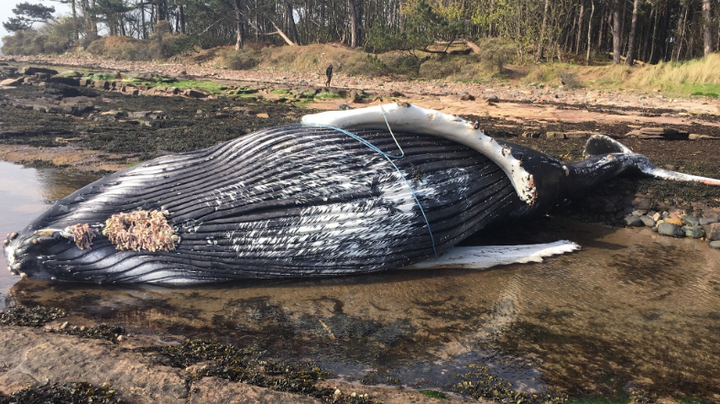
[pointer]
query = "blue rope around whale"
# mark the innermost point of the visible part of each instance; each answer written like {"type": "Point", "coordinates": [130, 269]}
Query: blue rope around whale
{"type": "Point", "coordinates": [389, 158]}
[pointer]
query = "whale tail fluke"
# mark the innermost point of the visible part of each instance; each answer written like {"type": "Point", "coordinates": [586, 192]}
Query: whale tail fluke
{"type": "Point", "coordinates": [599, 145]}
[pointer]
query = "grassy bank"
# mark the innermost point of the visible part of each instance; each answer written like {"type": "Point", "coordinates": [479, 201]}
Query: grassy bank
{"type": "Point", "coordinates": [699, 77]}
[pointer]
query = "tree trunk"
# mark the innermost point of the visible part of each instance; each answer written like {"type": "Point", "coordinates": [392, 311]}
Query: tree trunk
{"type": "Point", "coordinates": [143, 30]}
{"type": "Point", "coordinates": [579, 28]}
{"type": "Point", "coordinates": [161, 10]}
{"type": "Point", "coordinates": [290, 21]}
{"type": "Point", "coordinates": [74, 17]}
{"type": "Point", "coordinates": [631, 40]}
{"type": "Point", "coordinates": [616, 32]}
{"type": "Point", "coordinates": [542, 31]}
{"type": "Point", "coordinates": [589, 37]}
{"type": "Point", "coordinates": [707, 28]}
{"type": "Point", "coordinates": [181, 18]}
{"type": "Point", "coordinates": [354, 26]}
{"type": "Point", "coordinates": [654, 35]}
{"type": "Point", "coordinates": [239, 26]}
{"type": "Point", "coordinates": [680, 32]}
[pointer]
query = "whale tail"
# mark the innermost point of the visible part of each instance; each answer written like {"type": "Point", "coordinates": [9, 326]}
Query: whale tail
{"type": "Point", "coordinates": [600, 145]}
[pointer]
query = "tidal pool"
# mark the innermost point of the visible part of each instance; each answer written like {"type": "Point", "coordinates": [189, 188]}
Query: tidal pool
{"type": "Point", "coordinates": [631, 310]}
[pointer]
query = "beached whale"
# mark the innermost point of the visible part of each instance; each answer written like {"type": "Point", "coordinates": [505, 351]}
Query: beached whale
{"type": "Point", "coordinates": [342, 192]}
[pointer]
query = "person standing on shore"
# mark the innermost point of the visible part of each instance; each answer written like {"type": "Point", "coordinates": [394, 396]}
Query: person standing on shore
{"type": "Point", "coordinates": [328, 73]}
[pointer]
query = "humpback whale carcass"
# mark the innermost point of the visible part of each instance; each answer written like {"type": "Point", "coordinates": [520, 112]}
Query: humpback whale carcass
{"type": "Point", "coordinates": [341, 192]}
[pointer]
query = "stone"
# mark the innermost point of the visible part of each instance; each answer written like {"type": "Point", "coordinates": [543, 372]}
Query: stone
{"type": "Point", "coordinates": [714, 232]}
{"type": "Point", "coordinates": [712, 214]}
{"type": "Point", "coordinates": [578, 134]}
{"type": "Point", "coordinates": [707, 220]}
{"type": "Point", "coordinates": [633, 221]}
{"type": "Point", "coordinates": [693, 231]}
{"type": "Point", "coordinates": [31, 71]}
{"type": "Point", "coordinates": [638, 212]}
{"type": "Point", "coordinates": [194, 93]}
{"type": "Point", "coordinates": [344, 107]}
{"type": "Point", "coordinates": [691, 220]}
{"type": "Point", "coordinates": [139, 114]}
{"type": "Point", "coordinates": [674, 220]}
{"type": "Point", "coordinates": [102, 84]}
{"type": "Point", "coordinates": [397, 94]}
{"type": "Point", "coordinates": [11, 82]}
{"type": "Point", "coordinates": [669, 229]}
{"type": "Point", "coordinates": [355, 97]}
{"type": "Point", "coordinates": [492, 98]}
{"type": "Point", "coordinates": [656, 216]}
{"type": "Point", "coordinates": [71, 81]}
{"type": "Point", "coordinates": [647, 221]}
{"type": "Point", "coordinates": [715, 244]}
{"type": "Point", "coordinates": [467, 97]}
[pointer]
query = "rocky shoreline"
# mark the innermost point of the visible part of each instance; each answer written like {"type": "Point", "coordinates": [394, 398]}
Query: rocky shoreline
{"type": "Point", "coordinates": [113, 115]}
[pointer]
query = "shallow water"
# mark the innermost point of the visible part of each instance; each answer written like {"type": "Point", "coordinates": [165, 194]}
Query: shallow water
{"type": "Point", "coordinates": [631, 309]}
{"type": "Point", "coordinates": [26, 193]}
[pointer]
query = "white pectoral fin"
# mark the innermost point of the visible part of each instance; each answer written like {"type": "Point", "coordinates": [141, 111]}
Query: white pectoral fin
{"type": "Point", "coordinates": [411, 118]}
{"type": "Point", "coordinates": [483, 257]}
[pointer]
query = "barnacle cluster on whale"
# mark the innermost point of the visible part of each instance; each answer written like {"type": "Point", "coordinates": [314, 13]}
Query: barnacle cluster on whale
{"type": "Point", "coordinates": [342, 192]}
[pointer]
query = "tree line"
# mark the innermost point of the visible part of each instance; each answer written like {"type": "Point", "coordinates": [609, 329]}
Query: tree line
{"type": "Point", "coordinates": [626, 31]}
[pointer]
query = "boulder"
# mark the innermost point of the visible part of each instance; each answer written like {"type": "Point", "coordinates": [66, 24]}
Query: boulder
{"type": "Point", "coordinates": [633, 221]}
{"type": "Point", "coordinates": [194, 93]}
{"type": "Point", "coordinates": [31, 71]}
{"type": "Point", "coordinates": [669, 229]}
{"type": "Point", "coordinates": [11, 82]}
{"type": "Point", "coordinates": [714, 231]}
{"type": "Point", "coordinates": [70, 81]}
{"type": "Point", "coordinates": [693, 231]}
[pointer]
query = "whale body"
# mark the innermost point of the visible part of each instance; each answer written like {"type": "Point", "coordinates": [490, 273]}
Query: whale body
{"type": "Point", "coordinates": [309, 199]}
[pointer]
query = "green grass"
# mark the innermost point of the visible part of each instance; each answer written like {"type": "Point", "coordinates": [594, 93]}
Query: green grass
{"type": "Point", "coordinates": [433, 394]}
{"type": "Point", "coordinates": [327, 95]}
{"type": "Point", "coordinates": [102, 76]}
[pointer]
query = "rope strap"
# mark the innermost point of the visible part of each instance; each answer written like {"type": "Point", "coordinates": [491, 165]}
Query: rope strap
{"type": "Point", "coordinates": [389, 158]}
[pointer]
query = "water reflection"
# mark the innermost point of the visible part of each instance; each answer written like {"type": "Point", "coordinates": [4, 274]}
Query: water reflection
{"type": "Point", "coordinates": [632, 308]}
{"type": "Point", "coordinates": [27, 192]}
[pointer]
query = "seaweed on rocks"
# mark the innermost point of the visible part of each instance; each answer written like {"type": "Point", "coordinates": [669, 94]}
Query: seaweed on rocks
{"type": "Point", "coordinates": [246, 365]}
{"type": "Point", "coordinates": [67, 393]}
{"type": "Point", "coordinates": [479, 384]}
{"type": "Point", "coordinates": [103, 331]}
{"type": "Point", "coordinates": [30, 316]}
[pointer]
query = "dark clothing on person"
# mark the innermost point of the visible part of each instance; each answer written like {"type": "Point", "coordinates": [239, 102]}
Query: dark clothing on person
{"type": "Point", "coordinates": [328, 73]}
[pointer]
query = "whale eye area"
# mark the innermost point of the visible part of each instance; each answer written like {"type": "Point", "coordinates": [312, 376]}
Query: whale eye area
{"type": "Point", "coordinates": [140, 230]}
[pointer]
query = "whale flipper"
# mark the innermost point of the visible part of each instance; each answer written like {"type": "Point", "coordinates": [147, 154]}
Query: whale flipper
{"type": "Point", "coordinates": [483, 257]}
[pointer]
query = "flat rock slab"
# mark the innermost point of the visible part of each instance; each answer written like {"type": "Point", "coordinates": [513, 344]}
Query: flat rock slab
{"type": "Point", "coordinates": [34, 356]}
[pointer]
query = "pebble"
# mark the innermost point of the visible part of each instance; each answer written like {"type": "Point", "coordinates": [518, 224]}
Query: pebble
{"type": "Point", "coordinates": [674, 220]}
{"type": "Point", "coordinates": [670, 229]}
{"type": "Point", "coordinates": [715, 244]}
{"type": "Point", "coordinates": [707, 220]}
{"type": "Point", "coordinates": [691, 220]}
{"type": "Point", "coordinates": [693, 231]}
{"type": "Point", "coordinates": [647, 221]}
